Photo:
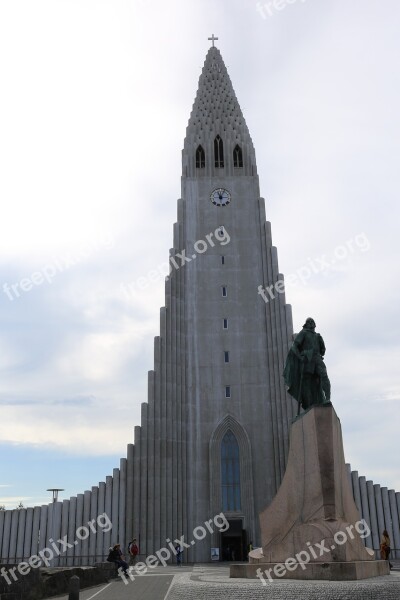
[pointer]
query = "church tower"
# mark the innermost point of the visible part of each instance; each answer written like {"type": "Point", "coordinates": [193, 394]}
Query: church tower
{"type": "Point", "coordinates": [214, 435]}
{"type": "Point", "coordinates": [214, 432]}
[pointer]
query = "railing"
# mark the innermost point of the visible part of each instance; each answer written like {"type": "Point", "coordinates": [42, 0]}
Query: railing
{"type": "Point", "coordinates": [84, 560]}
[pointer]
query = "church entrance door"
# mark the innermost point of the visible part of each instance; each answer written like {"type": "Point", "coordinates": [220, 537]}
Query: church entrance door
{"type": "Point", "coordinates": [234, 541]}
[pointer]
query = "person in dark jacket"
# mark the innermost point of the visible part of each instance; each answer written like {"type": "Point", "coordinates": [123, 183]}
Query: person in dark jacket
{"type": "Point", "coordinates": [116, 557]}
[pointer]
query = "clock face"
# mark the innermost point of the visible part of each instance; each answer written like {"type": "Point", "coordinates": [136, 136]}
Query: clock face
{"type": "Point", "coordinates": [220, 197]}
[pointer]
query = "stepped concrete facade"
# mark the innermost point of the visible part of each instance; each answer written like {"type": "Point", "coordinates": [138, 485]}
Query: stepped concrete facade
{"type": "Point", "coordinates": [215, 429]}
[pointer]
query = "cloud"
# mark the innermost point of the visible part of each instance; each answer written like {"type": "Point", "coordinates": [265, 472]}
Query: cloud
{"type": "Point", "coordinates": [317, 89]}
{"type": "Point", "coordinates": [11, 502]}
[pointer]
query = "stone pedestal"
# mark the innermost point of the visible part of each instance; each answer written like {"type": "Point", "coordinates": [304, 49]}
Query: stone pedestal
{"type": "Point", "coordinates": [312, 529]}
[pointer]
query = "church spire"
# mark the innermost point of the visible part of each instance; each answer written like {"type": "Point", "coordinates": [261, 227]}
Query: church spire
{"type": "Point", "coordinates": [216, 112]}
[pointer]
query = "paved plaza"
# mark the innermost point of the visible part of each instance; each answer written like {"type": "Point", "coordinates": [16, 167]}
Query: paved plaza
{"type": "Point", "coordinates": [212, 581]}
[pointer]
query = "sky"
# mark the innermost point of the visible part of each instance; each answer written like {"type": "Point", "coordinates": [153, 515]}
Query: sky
{"type": "Point", "coordinates": [94, 104]}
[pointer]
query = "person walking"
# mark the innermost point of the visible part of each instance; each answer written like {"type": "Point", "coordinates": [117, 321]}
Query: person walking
{"type": "Point", "coordinates": [133, 551]}
{"type": "Point", "coordinates": [249, 549]}
{"type": "Point", "coordinates": [179, 552]}
{"type": "Point", "coordinates": [385, 547]}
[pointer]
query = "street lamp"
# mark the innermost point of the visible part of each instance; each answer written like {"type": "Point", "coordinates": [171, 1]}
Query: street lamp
{"type": "Point", "coordinates": [55, 492]}
{"type": "Point", "coordinates": [53, 508]}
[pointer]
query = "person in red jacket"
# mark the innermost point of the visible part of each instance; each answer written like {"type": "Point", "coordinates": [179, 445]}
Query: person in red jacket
{"type": "Point", "coordinates": [133, 551]}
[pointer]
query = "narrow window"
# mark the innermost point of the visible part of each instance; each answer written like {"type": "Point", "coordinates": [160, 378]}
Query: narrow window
{"type": "Point", "coordinates": [224, 291]}
{"type": "Point", "coordinates": [237, 156]}
{"type": "Point", "coordinates": [226, 354]}
{"type": "Point", "coordinates": [228, 391]}
{"type": "Point", "coordinates": [218, 152]}
{"type": "Point", "coordinates": [200, 158]}
{"type": "Point", "coordinates": [225, 323]}
{"type": "Point", "coordinates": [222, 260]}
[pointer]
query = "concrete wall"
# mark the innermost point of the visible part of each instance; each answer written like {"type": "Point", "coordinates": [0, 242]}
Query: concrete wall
{"type": "Point", "coordinates": [380, 508]}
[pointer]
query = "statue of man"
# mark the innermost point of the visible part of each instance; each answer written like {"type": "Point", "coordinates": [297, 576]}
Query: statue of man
{"type": "Point", "coordinates": [305, 371]}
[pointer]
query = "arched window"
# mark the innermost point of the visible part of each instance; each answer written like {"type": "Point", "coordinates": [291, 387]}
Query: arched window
{"type": "Point", "coordinates": [218, 152]}
{"type": "Point", "coordinates": [200, 158]}
{"type": "Point", "coordinates": [230, 473]}
{"type": "Point", "coordinates": [237, 156]}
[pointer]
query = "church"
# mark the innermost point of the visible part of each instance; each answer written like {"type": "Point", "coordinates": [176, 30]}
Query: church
{"type": "Point", "coordinates": [214, 431]}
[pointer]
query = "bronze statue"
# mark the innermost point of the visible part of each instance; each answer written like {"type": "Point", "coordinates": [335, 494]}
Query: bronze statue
{"type": "Point", "coordinates": [305, 371]}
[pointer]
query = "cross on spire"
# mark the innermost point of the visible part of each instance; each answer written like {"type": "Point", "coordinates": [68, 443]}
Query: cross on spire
{"type": "Point", "coordinates": [213, 39]}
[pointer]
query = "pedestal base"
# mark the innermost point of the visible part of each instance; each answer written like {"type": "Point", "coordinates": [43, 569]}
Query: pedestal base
{"type": "Point", "coordinates": [328, 571]}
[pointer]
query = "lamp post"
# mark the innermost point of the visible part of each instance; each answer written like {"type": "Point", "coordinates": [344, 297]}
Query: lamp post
{"type": "Point", "coordinates": [54, 492]}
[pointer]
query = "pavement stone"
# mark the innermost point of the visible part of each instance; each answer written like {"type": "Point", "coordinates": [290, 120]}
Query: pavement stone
{"type": "Point", "coordinates": [212, 582]}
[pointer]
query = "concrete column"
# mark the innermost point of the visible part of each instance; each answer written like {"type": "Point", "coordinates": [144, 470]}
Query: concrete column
{"type": "Point", "coordinates": [182, 395]}
{"type": "Point", "coordinates": [289, 329]}
{"type": "Point", "coordinates": [348, 469]}
{"type": "Point", "coordinates": [21, 534]}
{"type": "Point", "coordinates": [101, 547]}
{"type": "Point", "coordinates": [175, 457]}
{"type": "Point", "coordinates": [56, 531]}
{"type": "Point", "coordinates": [282, 358]}
{"type": "Point", "coordinates": [122, 507]}
{"type": "Point", "coordinates": [26, 552]}
{"type": "Point", "coordinates": [78, 523]}
{"type": "Point", "coordinates": [12, 553]}
{"type": "Point", "coordinates": [35, 531]}
{"type": "Point", "coordinates": [386, 513]}
{"type": "Point", "coordinates": [129, 534]}
{"type": "Point", "coordinates": [87, 496]}
{"type": "Point", "coordinates": [179, 325]}
{"type": "Point", "coordinates": [365, 510]}
{"type": "Point", "coordinates": [169, 413]}
{"type": "Point", "coordinates": [379, 510]}
{"type": "Point", "coordinates": [94, 513]}
{"type": "Point", "coordinates": [277, 363]}
{"type": "Point", "coordinates": [143, 481]}
{"type": "Point", "coordinates": [49, 524]}
{"type": "Point", "coordinates": [71, 530]}
{"type": "Point", "coordinates": [2, 515]}
{"type": "Point", "coordinates": [64, 530]}
{"type": "Point", "coordinates": [137, 483]}
{"type": "Point", "coordinates": [373, 516]}
{"type": "Point", "coordinates": [356, 491]}
{"type": "Point", "coordinates": [163, 445]}
{"type": "Point", "coordinates": [115, 506]}
{"type": "Point", "coordinates": [158, 459]}
{"type": "Point", "coordinates": [267, 276]}
{"type": "Point", "coordinates": [397, 496]}
{"type": "Point", "coordinates": [108, 535]}
{"type": "Point", "coordinates": [6, 535]}
{"type": "Point", "coordinates": [151, 458]}
{"type": "Point", "coordinates": [274, 383]}
{"type": "Point", "coordinates": [395, 525]}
